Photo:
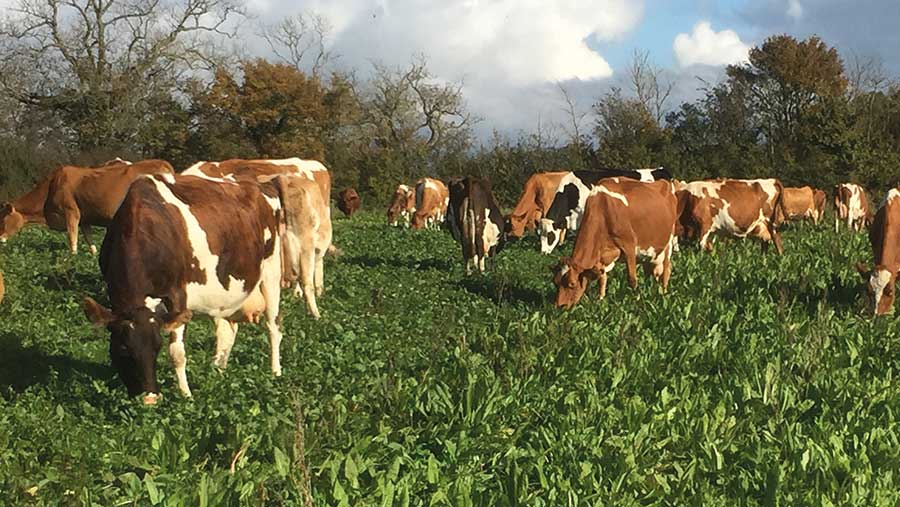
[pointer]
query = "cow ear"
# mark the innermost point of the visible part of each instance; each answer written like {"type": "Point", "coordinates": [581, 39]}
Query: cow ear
{"type": "Point", "coordinates": [96, 313]}
{"type": "Point", "coordinates": [173, 322]}
{"type": "Point", "coordinates": [7, 208]}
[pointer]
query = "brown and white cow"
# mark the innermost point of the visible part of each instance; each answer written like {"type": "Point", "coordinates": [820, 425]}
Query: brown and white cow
{"type": "Point", "coordinates": [475, 221]}
{"type": "Point", "coordinates": [402, 206]}
{"type": "Point", "coordinates": [237, 168]}
{"type": "Point", "coordinates": [850, 206]}
{"type": "Point", "coordinates": [79, 197]}
{"type": "Point", "coordinates": [258, 170]}
{"type": "Point", "coordinates": [181, 245]}
{"type": "Point", "coordinates": [307, 238]}
{"type": "Point", "coordinates": [537, 196]}
{"type": "Point", "coordinates": [348, 201]}
{"type": "Point", "coordinates": [622, 218]}
{"type": "Point", "coordinates": [803, 202]}
{"type": "Point", "coordinates": [738, 208]}
{"type": "Point", "coordinates": [432, 198]}
{"type": "Point", "coordinates": [884, 235]}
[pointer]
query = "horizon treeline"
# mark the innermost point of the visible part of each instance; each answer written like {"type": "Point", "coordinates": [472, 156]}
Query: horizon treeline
{"type": "Point", "coordinates": [84, 81]}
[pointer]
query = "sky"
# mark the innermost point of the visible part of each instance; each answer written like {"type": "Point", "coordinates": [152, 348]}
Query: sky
{"type": "Point", "coordinates": [512, 55]}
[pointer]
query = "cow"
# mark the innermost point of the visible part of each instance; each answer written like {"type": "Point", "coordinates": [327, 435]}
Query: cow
{"type": "Point", "coordinates": [254, 170]}
{"type": "Point", "coordinates": [348, 201]}
{"type": "Point", "coordinates": [307, 238]}
{"type": "Point", "coordinates": [567, 206]}
{"type": "Point", "coordinates": [402, 206]}
{"type": "Point", "coordinates": [475, 221]}
{"type": "Point", "coordinates": [850, 206]}
{"type": "Point", "coordinates": [432, 198]}
{"type": "Point", "coordinates": [803, 202]}
{"type": "Point", "coordinates": [537, 196]}
{"type": "Point", "coordinates": [622, 217]}
{"type": "Point", "coordinates": [79, 197]}
{"type": "Point", "coordinates": [183, 245]}
{"type": "Point", "coordinates": [884, 236]}
{"type": "Point", "coordinates": [739, 208]}
{"type": "Point", "coordinates": [238, 168]}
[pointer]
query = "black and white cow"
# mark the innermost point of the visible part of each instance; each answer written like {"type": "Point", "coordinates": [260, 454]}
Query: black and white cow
{"type": "Point", "coordinates": [475, 221]}
{"type": "Point", "coordinates": [180, 245]}
{"type": "Point", "coordinates": [567, 209]}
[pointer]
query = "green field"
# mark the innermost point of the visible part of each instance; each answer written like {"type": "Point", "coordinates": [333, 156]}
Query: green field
{"type": "Point", "coordinates": [758, 380]}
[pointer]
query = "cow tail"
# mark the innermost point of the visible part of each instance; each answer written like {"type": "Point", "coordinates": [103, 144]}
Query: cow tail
{"type": "Point", "coordinates": [778, 210]}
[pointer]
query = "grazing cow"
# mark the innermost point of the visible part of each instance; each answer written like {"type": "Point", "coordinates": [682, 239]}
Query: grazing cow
{"type": "Point", "coordinates": [402, 206]}
{"type": "Point", "coordinates": [432, 198]}
{"type": "Point", "coordinates": [79, 197]}
{"type": "Point", "coordinates": [850, 206]}
{"type": "Point", "coordinates": [537, 196]}
{"type": "Point", "coordinates": [803, 202]}
{"type": "Point", "coordinates": [884, 235]}
{"type": "Point", "coordinates": [622, 217]}
{"type": "Point", "coordinates": [567, 207]}
{"type": "Point", "coordinates": [308, 236]}
{"type": "Point", "coordinates": [737, 208]}
{"type": "Point", "coordinates": [475, 221]}
{"type": "Point", "coordinates": [348, 201]}
{"type": "Point", "coordinates": [181, 245]}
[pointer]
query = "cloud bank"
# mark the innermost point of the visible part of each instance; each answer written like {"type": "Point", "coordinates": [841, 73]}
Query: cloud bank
{"type": "Point", "coordinates": [705, 46]}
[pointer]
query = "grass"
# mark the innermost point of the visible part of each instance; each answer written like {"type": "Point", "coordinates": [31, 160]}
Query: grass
{"type": "Point", "coordinates": [758, 380]}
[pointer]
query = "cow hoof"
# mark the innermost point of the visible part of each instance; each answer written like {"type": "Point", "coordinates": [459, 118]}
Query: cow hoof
{"type": "Point", "coordinates": [151, 398]}
{"type": "Point", "coordinates": [93, 250]}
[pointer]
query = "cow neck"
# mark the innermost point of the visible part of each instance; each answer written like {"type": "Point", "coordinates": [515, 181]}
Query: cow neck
{"type": "Point", "coordinates": [31, 204]}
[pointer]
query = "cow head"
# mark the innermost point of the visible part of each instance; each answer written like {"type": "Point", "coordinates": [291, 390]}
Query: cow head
{"type": "Point", "coordinates": [348, 201]}
{"type": "Point", "coordinates": [419, 221]}
{"type": "Point", "coordinates": [879, 287]}
{"type": "Point", "coordinates": [571, 282]}
{"type": "Point", "coordinates": [399, 204]}
{"type": "Point", "coordinates": [11, 221]}
{"type": "Point", "coordinates": [134, 342]}
{"type": "Point", "coordinates": [551, 235]}
{"type": "Point", "coordinates": [516, 225]}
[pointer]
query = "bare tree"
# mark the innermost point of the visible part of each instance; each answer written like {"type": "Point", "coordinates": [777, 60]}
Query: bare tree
{"type": "Point", "coordinates": [650, 84]}
{"type": "Point", "coordinates": [95, 62]}
{"type": "Point", "coordinates": [410, 104]}
{"type": "Point", "coordinates": [574, 116]}
{"type": "Point", "coordinates": [301, 41]}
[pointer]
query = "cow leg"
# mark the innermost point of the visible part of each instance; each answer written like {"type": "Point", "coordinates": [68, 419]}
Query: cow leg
{"type": "Point", "coordinates": [179, 359]}
{"type": "Point", "coordinates": [705, 239]}
{"type": "Point", "coordinates": [225, 332]}
{"type": "Point", "coordinates": [73, 217]}
{"type": "Point", "coordinates": [776, 239]}
{"type": "Point", "coordinates": [271, 293]}
{"type": "Point", "coordinates": [631, 265]}
{"type": "Point", "coordinates": [481, 265]}
{"type": "Point", "coordinates": [308, 280]}
{"type": "Point", "coordinates": [602, 278]}
{"type": "Point", "coordinates": [86, 232]}
{"type": "Point", "coordinates": [320, 273]}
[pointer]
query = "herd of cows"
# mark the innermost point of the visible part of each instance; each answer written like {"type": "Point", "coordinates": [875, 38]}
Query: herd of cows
{"type": "Point", "coordinates": [222, 239]}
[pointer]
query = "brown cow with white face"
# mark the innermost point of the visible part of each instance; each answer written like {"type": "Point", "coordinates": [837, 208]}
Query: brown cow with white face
{"type": "Point", "coordinates": [402, 206]}
{"type": "Point", "coordinates": [537, 196]}
{"type": "Point", "coordinates": [803, 202]}
{"type": "Point", "coordinates": [738, 208]}
{"type": "Point", "coordinates": [850, 206]}
{"type": "Point", "coordinates": [348, 201]}
{"type": "Point", "coordinates": [884, 235]}
{"type": "Point", "coordinates": [181, 245]}
{"type": "Point", "coordinates": [432, 199]}
{"type": "Point", "coordinates": [623, 218]}
{"type": "Point", "coordinates": [79, 197]}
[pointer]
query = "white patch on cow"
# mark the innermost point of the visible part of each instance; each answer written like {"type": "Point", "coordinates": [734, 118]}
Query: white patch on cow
{"type": "Point", "coordinates": [194, 170]}
{"type": "Point", "coordinates": [564, 269]}
{"type": "Point", "coordinates": [430, 183]}
{"type": "Point", "coordinates": [600, 189]}
{"type": "Point", "coordinates": [152, 303]}
{"type": "Point", "coordinates": [168, 178]}
{"type": "Point", "coordinates": [703, 188]}
{"type": "Point", "coordinates": [303, 167]}
{"type": "Point", "coordinates": [878, 281]}
{"type": "Point", "coordinates": [548, 231]}
{"type": "Point", "coordinates": [210, 298]}
{"type": "Point", "coordinates": [646, 175]}
{"type": "Point", "coordinates": [855, 210]}
{"type": "Point", "coordinates": [491, 233]}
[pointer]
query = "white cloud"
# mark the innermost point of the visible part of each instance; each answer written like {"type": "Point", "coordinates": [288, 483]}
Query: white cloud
{"type": "Point", "coordinates": [795, 10]}
{"type": "Point", "coordinates": [707, 47]}
{"type": "Point", "coordinates": [505, 51]}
